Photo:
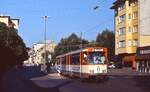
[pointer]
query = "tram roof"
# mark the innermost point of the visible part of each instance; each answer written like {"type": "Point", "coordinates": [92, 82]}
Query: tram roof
{"type": "Point", "coordinates": [80, 50]}
{"type": "Point", "coordinates": [72, 52]}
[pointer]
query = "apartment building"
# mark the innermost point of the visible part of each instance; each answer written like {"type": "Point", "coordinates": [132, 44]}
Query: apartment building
{"type": "Point", "coordinates": [126, 30]}
{"type": "Point", "coordinates": [9, 21]}
{"type": "Point", "coordinates": [144, 15]}
{"type": "Point", "coordinates": [143, 51]}
{"type": "Point", "coordinates": [131, 28]}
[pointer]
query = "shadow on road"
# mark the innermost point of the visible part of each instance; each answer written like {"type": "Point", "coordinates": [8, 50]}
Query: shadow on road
{"type": "Point", "coordinates": [18, 80]}
{"type": "Point", "coordinates": [143, 82]}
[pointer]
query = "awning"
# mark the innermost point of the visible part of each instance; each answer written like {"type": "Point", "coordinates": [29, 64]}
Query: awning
{"type": "Point", "coordinates": [142, 57]}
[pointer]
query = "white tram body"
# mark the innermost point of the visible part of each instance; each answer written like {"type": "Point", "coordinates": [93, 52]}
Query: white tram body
{"type": "Point", "coordinates": [83, 63]}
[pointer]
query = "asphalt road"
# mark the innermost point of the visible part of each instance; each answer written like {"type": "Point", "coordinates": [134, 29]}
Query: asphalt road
{"type": "Point", "coordinates": [113, 84]}
{"type": "Point", "coordinates": [31, 80]}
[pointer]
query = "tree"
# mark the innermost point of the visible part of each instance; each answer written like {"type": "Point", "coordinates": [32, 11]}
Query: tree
{"type": "Point", "coordinates": [12, 47]}
{"type": "Point", "coordinates": [107, 39]}
{"type": "Point", "coordinates": [71, 43]}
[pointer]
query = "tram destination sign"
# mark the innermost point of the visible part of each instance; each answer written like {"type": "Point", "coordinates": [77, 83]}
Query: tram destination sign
{"type": "Point", "coordinates": [98, 50]}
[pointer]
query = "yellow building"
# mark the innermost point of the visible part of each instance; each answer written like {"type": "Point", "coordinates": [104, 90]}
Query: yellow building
{"type": "Point", "coordinates": [126, 30]}
{"type": "Point", "coordinates": [9, 21]}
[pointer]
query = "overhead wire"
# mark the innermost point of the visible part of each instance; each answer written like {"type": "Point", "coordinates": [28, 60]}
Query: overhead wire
{"type": "Point", "coordinates": [98, 25]}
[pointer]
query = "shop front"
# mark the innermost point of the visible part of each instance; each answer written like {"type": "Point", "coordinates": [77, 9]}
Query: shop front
{"type": "Point", "coordinates": [143, 59]}
{"type": "Point", "coordinates": [127, 60]}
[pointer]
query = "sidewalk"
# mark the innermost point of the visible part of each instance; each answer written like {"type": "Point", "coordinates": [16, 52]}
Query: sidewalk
{"type": "Point", "coordinates": [14, 82]}
{"type": "Point", "coordinates": [51, 80]}
{"type": "Point", "coordinates": [126, 72]}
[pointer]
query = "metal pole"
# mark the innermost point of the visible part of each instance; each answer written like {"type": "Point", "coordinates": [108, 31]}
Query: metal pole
{"type": "Point", "coordinates": [81, 40]}
{"type": "Point", "coordinates": [81, 57]}
{"type": "Point", "coordinates": [45, 20]}
{"type": "Point", "coordinates": [45, 59]}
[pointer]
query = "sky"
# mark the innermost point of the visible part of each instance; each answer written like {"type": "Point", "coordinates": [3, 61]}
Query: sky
{"type": "Point", "coordinates": [65, 17]}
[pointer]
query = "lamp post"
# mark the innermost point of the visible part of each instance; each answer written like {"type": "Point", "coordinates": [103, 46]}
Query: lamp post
{"type": "Point", "coordinates": [45, 29]}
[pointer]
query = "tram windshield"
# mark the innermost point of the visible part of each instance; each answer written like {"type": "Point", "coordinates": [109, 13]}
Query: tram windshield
{"type": "Point", "coordinates": [96, 58]}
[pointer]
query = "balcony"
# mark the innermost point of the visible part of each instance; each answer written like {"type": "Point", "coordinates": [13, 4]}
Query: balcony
{"type": "Point", "coordinates": [131, 49]}
{"type": "Point", "coordinates": [121, 12]}
{"type": "Point", "coordinates": [135, 21]}
{"type": "Point", "coordinates": [135, 35]}
{"type": "Point", "coordinates": [121, 50]}
{"type": "Point", "coordinates": [121, 37]}
{"type": "Point", "coordinates": [135, 7]}
{"type": "Point", "coordinates": [121, 24]}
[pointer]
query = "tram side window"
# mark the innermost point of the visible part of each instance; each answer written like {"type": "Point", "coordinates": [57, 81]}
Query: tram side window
{"type": "Point", "coordinates": [63, 60]}
{"type": "Point", "coordinates": [85, 58]}
{"type": "Point", "coordinates": [75, 59]}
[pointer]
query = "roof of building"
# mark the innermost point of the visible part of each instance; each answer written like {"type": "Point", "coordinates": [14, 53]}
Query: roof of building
{"type": "Point", "coordinates": [9, 19]}
{"type": "Point", "coordinates": [116, 3]}
{"type": "Point", "coordinates": [16, 19]}
{"type": "Point", "coordinates": [4, 16]}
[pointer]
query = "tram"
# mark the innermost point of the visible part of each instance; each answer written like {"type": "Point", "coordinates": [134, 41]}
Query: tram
{"type": "Point", "coordinates": [83, 63]}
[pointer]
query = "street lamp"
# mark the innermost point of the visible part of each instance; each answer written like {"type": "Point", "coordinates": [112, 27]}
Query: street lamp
{"type": "Point", "coordinates": [45, 20]}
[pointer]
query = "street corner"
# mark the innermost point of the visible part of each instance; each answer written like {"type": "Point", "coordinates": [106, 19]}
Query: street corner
{"type": "Point", "coordinates": [51, 81]}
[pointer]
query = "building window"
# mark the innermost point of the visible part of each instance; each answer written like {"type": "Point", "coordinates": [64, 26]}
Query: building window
{"type": "Point", "coordinates": [118, 19]}
{"type": "Point", "coordinates": [129, 43]}
{"type": "Point", "coordinates": [135, 15]}
{"type": "Point", "coordinates": [117, 46]}
{"type": "Point", "coordinates": [135, 28]}
{"type": "Point", "coordinates": [122, 31]}
{"type": "Point", "coordinates": [122, 44]}
{"type": "Point", "coordinates": [117, 32]}
{"type": "Point", "coordinates": [75, 59]}
{"type": "Point", "coordinates": [130, 29]}
{"type": "Point", "coordinates": [129, 16]}
{"type": "Point", "coordinates": [122, 18]}
{"type": "Point", "coordinates": [135, 42]}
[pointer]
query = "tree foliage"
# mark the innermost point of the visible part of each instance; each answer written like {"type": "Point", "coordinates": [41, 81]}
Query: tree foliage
{"type": "Point", "coordinates": [12, 47]}
{"type": "Point", "coordinates": [107, 39]}
{"type": "Point", "coordinates": [71, 43]}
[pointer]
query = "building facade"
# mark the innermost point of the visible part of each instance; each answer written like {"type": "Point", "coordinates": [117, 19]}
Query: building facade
{"type": "Point", "coordinates": [36, 53]}
{"type": "Point", "coordinates": [9, 21]}
{"type": "Point", "coordinates": [126, 30]}
{"type": "Point", "coordinates": [132, 20]}
{"type": "Point", "coordinates": [143, 59]}
{"type": "Point", "coordinates": [143, 51]}
{"type": "Point", "coordinates": [144, 14]}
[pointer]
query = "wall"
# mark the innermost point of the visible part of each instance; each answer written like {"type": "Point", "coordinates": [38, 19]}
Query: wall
{"type": "Point", "coordinates": [144, 22]}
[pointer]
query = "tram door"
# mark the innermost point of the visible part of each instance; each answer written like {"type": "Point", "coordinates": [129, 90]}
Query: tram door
{"type": "Point", "coordinates": [69, 65]}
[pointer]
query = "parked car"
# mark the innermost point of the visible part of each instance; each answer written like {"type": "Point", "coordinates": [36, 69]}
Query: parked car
{"type": "Point", "coordinates": [119, 65]}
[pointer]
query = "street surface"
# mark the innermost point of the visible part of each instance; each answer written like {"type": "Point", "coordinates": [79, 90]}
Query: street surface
{"type": "Point", "coordinates": [119, 83]}
{"type": "Point", "coordinates": [31, 80]}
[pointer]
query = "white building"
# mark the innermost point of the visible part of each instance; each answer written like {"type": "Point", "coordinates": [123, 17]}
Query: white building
{"type": "Point", "coordinates": [36, 54]}
{"type": "Point", "coordinates": [144, 13]}
{"type": "Point", "coordinates": [9, 21]}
